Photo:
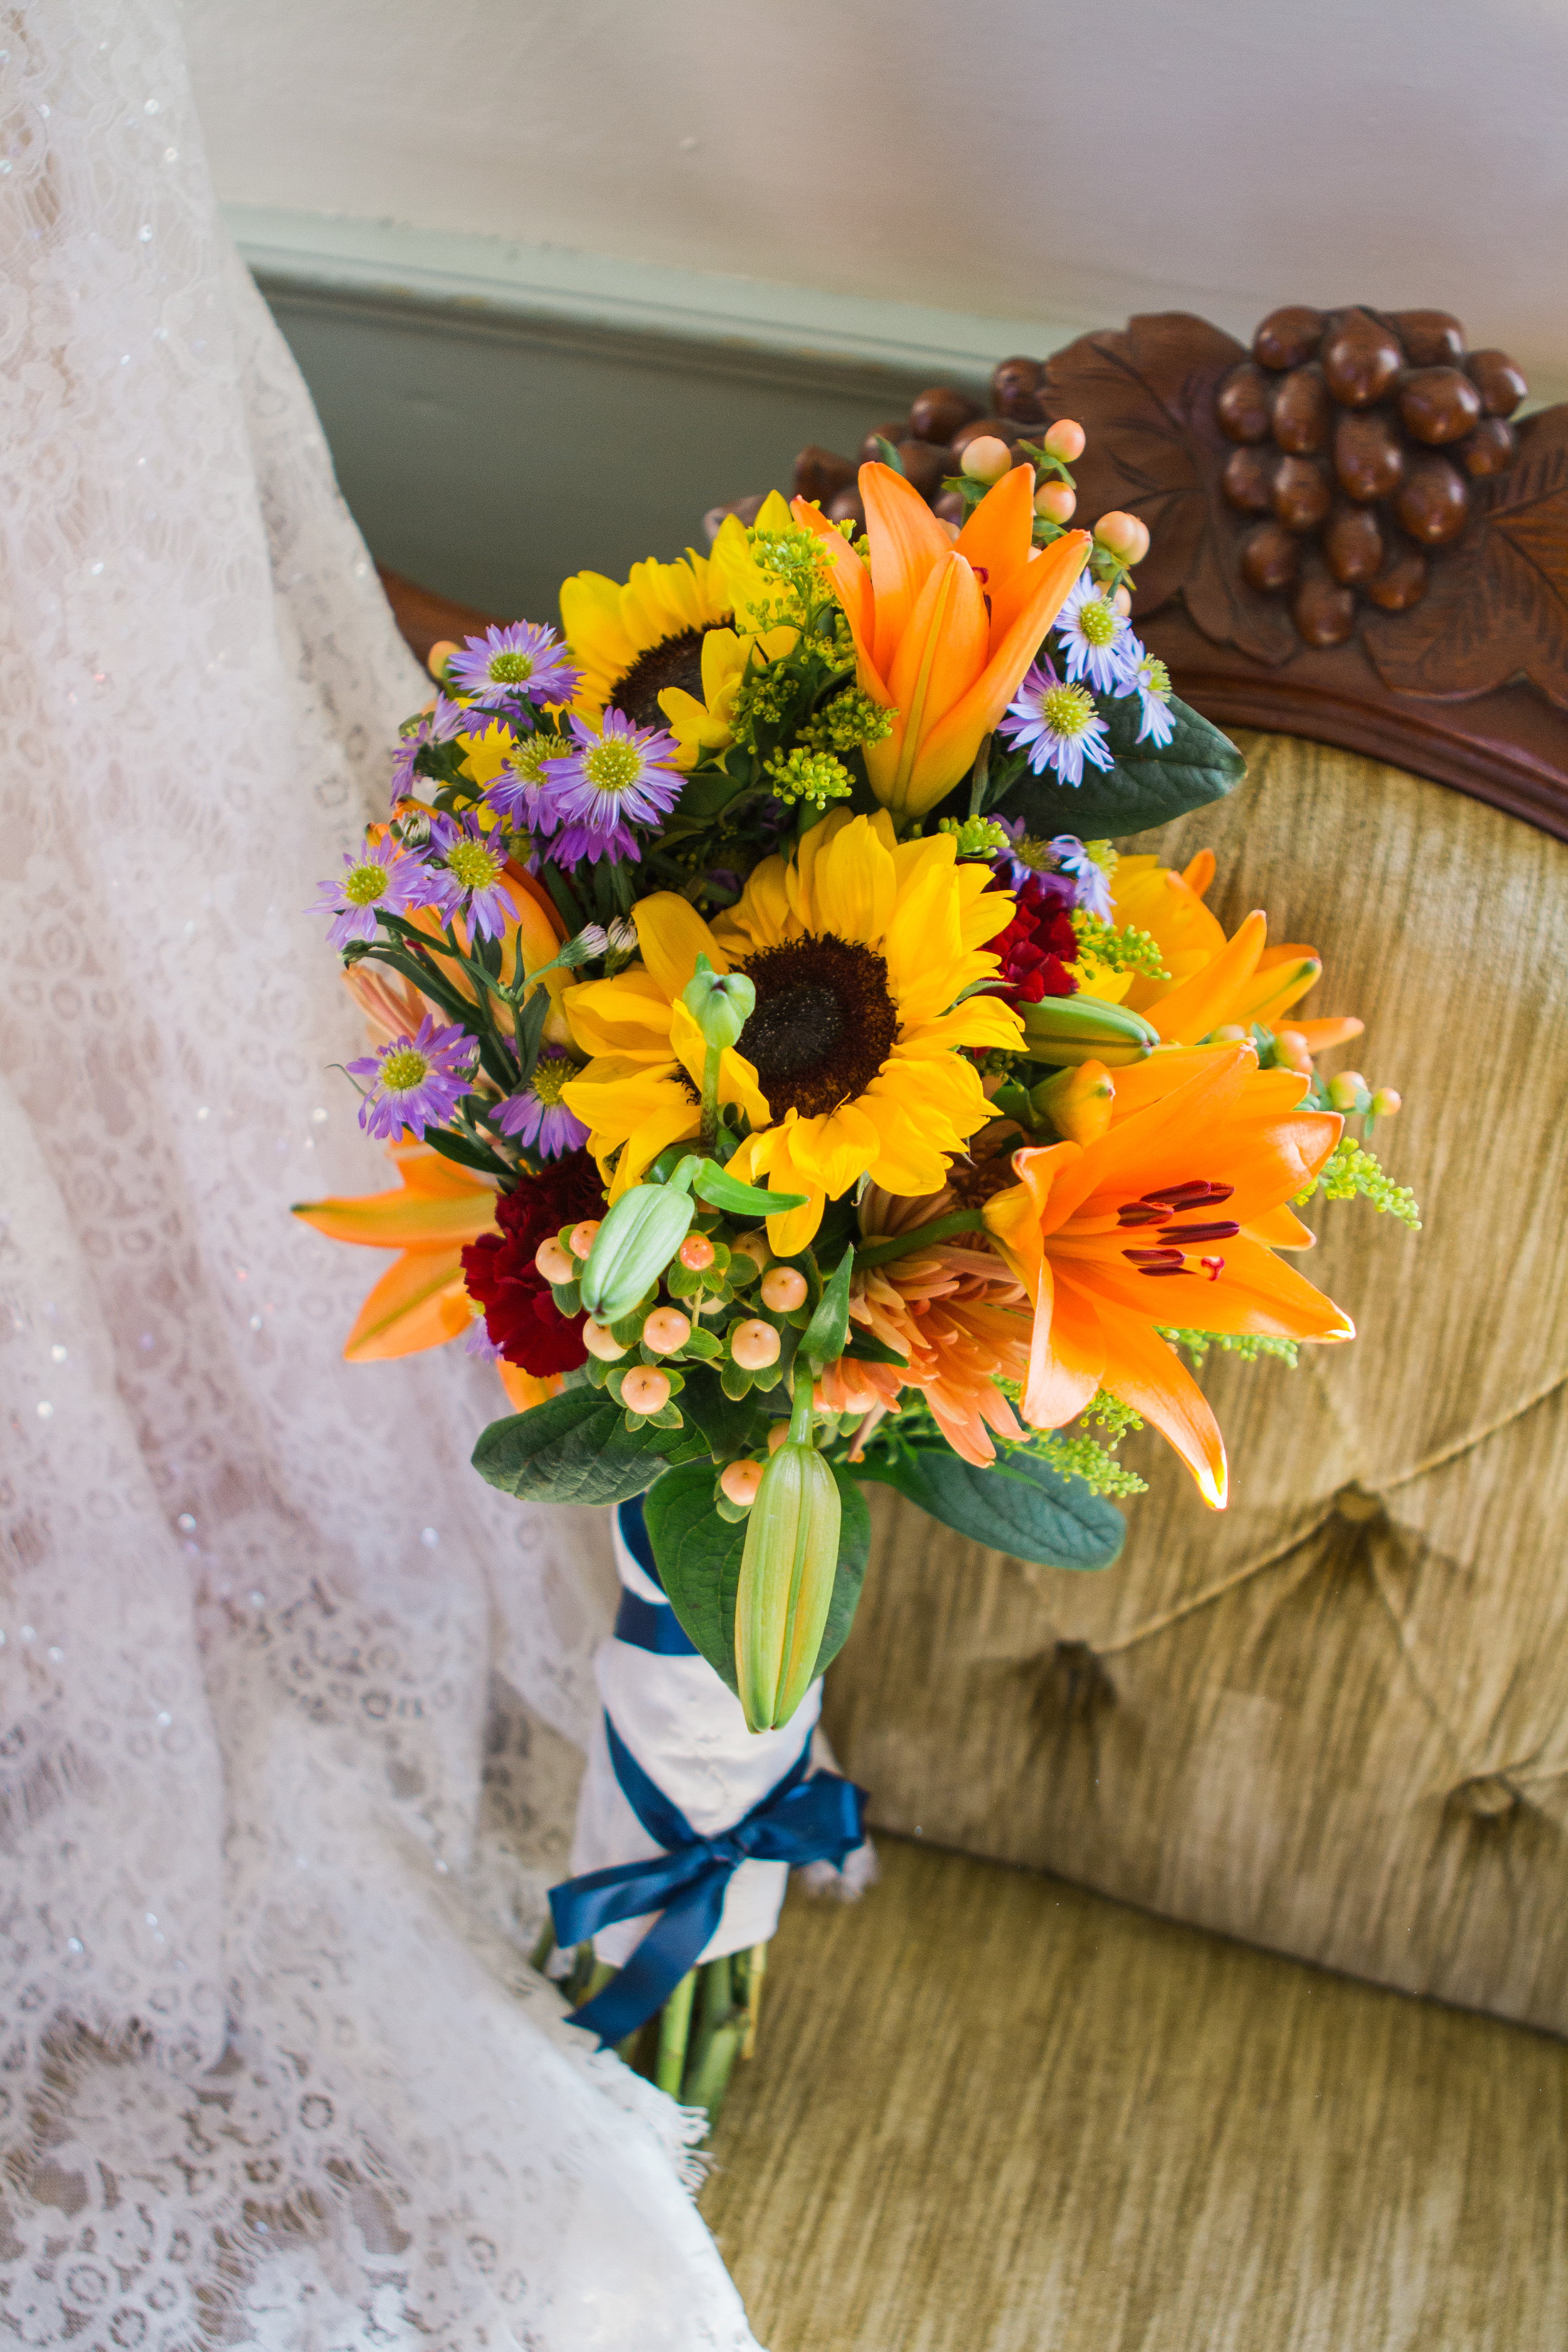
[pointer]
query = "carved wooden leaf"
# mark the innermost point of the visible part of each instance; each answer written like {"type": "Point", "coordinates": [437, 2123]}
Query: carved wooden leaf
{"type": "Point", "coordinates": [1145, 397]}
{"type": "Point", "coordinates": [1497, 606]}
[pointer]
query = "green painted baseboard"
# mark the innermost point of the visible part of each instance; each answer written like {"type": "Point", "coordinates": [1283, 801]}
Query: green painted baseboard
{"type": "Point", "coordinates": [501, 415]}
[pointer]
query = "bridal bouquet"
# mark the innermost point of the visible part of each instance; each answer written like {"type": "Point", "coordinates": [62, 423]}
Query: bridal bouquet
{"type": "Point", "coordinates": [791, 1087]}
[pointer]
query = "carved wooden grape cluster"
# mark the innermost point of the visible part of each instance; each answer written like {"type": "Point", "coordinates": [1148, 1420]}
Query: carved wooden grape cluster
{"type": "Point", "coordinates": [1355, 433]}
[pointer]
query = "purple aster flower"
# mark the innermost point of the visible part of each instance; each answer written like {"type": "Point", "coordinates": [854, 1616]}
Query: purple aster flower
{"type": "Point", "coordinates": [1095, 638]}
{"type": "Point", "coordinates": [1093, 884]}
{"type": "Point", "coordinates": [437, 725]}
{"type": "Point", "coordinates": [525, 658]}
{"type": "Point", "coordinates": [415, 1082]}
{"type": "Point", "coordinates": [575, 845]}
{"type": "Point", "coordinates": [468, 875]}
{"type": "Point", "coordinates": [1058, 726]}
{"type": "Point", "coordinates": [1150, 682]}
{"type": "Point", "coordinates": [518, 793]}
{"type": "Point", "coordinates": [380, 881]}
{"type": "Point", "coordinates": [536, 1111]}
{"type": "Point", "coordinates": [479, 1343]}
{"type": "Point", "coordinates": [621, 776]}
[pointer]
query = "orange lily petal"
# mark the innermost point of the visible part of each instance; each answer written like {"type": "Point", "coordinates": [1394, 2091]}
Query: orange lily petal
{"type": "Point", "coordinates": [523, 1391]}
{"type": "Point", "coordinates": [420, 1302]}
{"type": "Point", "coordinates": [1281, 1228]}
{"type": "Point", "coordinates": [1200, 873]}
{"type": "Point", "coordinates": [1321, 1036]}
{"type": "Point", "coordinates": [907, 543]}
{"type": "Point", "coordinates": [951, 743]}
{"type": "Point", "coordinates": [403, 1219]}
{"type": "Point", "coordinates": [1145, 1372]}
{"type": "Point", "coordinates": [1203, 1003]}
{"type": "Point", "coordinates": [852, 585]}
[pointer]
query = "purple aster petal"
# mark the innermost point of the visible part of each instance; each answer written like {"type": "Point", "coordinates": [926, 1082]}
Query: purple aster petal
{"type": "Point", "coordinates": [415, 1082]}
{"type": "Point", "coordinates": [523, 659]}
{"type": "Point", "coordinates": [537, 1115]}
{"type": "Point", "coordinates": [618, 776]}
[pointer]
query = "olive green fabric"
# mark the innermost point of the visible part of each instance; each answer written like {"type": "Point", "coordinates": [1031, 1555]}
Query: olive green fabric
{"type": "Point", "coordinates": [1334, 1719]}
{"type": "Point", "coordinates": [992, 2113]}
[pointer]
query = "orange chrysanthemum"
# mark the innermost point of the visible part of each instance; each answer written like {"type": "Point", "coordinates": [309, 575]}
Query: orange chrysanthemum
{"type": "Point", "coordinates": [958, 1316]}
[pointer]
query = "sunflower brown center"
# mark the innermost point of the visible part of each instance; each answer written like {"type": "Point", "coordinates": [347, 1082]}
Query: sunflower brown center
{"type": "Point", "coordinates": [674, 661]}
{"type": "Point", "coordinates": [825, 1023]}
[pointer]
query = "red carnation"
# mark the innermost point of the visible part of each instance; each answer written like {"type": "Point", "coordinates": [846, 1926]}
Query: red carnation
{"type": "Point", "coordinates": [521, 1316]}
{"type": "Point", "coordinates": [1039, 942]}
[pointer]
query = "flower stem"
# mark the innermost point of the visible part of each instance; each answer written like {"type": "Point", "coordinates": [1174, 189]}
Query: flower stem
{"type": "Point", "coordinates": [674, 2027]}
{"type": "Point", "coordinates": [960, 1221]}
{"type": "Point", "coordinates": [709, 1133]}
{"type": "Point", "coordinates": [980, 778]}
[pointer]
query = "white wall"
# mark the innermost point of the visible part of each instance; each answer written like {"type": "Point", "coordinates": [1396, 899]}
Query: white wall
{"type": "Point", "coordinates": [1016, 158]}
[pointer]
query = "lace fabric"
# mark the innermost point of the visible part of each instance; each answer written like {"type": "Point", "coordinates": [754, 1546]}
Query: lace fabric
{"type": "Point", "coordinates": [273, 2067]}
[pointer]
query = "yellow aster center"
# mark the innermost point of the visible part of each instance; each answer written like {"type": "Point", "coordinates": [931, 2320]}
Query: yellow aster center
{"type": "Point", "coordinates": [365, 884]}
{"type": "Point", "coordinates": [550, 1076]}
{"type": "Point", "coordinates": [534, 750]}
{"type": "Point", "coordinates": [404, 1070]}
{"type": "Point", "coordinates": [1156, 678]}
{"type": "Point", "coordinates": [472, 865]}
{"type": "Point", "coordinates": [512, 669]}
{"type": "Point", "coordinates": [611, 767]}
{"type": "Point", "coordinates": [1066, 709]}
{"type": "Point", "coordinates": [1097, 621]}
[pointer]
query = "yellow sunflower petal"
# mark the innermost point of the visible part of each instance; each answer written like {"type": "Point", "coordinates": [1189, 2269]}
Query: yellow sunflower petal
{"type": "Point", "coordinates": [856, 885]}
{"type": "Point", "coordinates": [672, 935]}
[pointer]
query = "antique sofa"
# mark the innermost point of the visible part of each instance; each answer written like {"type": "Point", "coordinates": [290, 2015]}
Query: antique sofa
{"type": "Point", "coordinates": [1210, 1997]}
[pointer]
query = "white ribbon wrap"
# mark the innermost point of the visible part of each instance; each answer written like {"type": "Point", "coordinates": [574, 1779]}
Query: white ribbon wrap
{"type": "Point", "coordinates": [686, 1729]}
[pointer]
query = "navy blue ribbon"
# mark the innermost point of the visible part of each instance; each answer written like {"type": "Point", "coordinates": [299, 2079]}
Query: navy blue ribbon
{"type": "Point", "coordinates": [646, 1624]}
{"type": "Point", "coordinates": [800, 1820]}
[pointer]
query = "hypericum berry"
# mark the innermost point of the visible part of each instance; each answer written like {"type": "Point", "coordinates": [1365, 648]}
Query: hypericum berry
{"type": "Point", "coordinates": [554, 1263]}
{"type": "Point", "coordinates": [1385, 1102]}
{"type": "Point", "coordinates": [748, 1258]}
{"type": "Point", "coordinates": [439, 654]}
{"type": "Point", "coordinates": [645, 1391]}
{"type": "Point", "coordinates": [778, 1436]}
{"type": "Point", "coordinates": [1056, 502]}
{"type": "Point", "coordinates": [754, 1345]}
{"type": "Point", "coordinates": [988, 459]}
{"type": "Point", "coordinates": [1343, 1089]}
{"type": "Point", "coordinates": [738, 1482]}
{"type": "Point", "coordinates": [1123, 534]}
{"type": "Point", "coordinates": [784, 1289]}
{"type": "Point", "coordinates": [696, 1253]}
{"type": "Point", "coordinates": [1121, 599]}
{"type": "Point", "coordinates": [580, 1237]}
{"type": "Point", "coordinates": [601, 1341]}
{"type": "Point", "coordinates": [1291, 1048]}
{"type": "Point", "coordinates": [1065, 440]}
{"type": "Point", "coordinates": [666, 1330]}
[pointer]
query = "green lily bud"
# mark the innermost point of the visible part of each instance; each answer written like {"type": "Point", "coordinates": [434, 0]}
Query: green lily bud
{"type": "Point", "coordinates": [788, 1573]}
{"type": "Point", "coordinates": [720, 1003]}
{"type": "Point", "coordinates": [632, 1247]}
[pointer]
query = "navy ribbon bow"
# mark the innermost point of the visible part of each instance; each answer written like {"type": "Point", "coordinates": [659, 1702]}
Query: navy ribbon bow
{"type": "Point", "coordinates": [800, 1820]}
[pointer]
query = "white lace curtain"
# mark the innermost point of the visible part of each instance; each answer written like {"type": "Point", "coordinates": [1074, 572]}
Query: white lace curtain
{"type": "Point", "coordinates": [273, 2068]}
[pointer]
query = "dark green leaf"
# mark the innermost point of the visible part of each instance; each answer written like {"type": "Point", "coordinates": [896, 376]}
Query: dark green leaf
{"type": "Point", "coordinates": [889, 456]}
{"type": "Point", "coordinates": [722, 1192]}
{"type": "Point", "coordinates": [529, 1033]}
{"type": "Point", "coordinates": [1147, 786]}
{"type": "Point", "coordinates": [1018, 1505]}
{"type": "Point", "coordinates": [700, 1554]}
{"type": "Point", "coordinates": [727, 1422]}
{"type": "Point", "coordinates": [864, 1348]}
{"type": "Point", "coordinates": [459, 1148]}
{"type": "Point", "coordinates": [575, 1448]}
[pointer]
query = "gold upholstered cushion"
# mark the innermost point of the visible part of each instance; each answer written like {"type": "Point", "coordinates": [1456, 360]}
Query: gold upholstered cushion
{"type": "Point", "coordinates": [1331, 1720]}
{"type": "Point", "coordinates": [990, 2113]}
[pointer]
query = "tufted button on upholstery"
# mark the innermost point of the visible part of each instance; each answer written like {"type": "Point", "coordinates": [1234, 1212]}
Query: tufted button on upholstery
{"type": "Point", "coordinates": [1488, 1798]}
{"type": "Point", "coordinates": [1356, 1507]}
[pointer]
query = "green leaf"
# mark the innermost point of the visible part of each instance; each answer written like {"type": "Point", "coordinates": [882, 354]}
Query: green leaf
{"type": "Point", "coordinates": [530, 1032]}
{"type": "Point", "coordinates": [573, 1448]}
{"type": "Point", "coordinates": [864, 1348]}
{"type": "Point", "coordinates": [889, 454]}
{"type": "Point", "coordinates": [457, 1146]}
{"type": "Point", "coordinates": [824, 1338]}
{"type": "Point", "coordinates": [1149, 785]}
{"type": "Point", "coordinates": [698, 1556]}
{"type": "Point", "coordinates": [726, 1421]}
{"type": "Point", "coordinates": [722, 1192]}
{"type": "Point", "coordinates": [1017, 1505]}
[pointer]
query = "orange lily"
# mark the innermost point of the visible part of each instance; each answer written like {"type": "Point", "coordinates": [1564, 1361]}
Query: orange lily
{"type": "Point", "coordinates": [422, 1301]}
{"type": "Point", "coordinates": [943, 633]}
{"type": "Point", "coordinates": [1114, 1238]}
{"type": "Point", "coordinates": [1213, 983]}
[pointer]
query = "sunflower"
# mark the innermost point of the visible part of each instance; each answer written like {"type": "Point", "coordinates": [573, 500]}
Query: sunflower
{"type": "Point", "coordinates": [859, 952]}
{"type": "Point", "coordinates": [636, 643]}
